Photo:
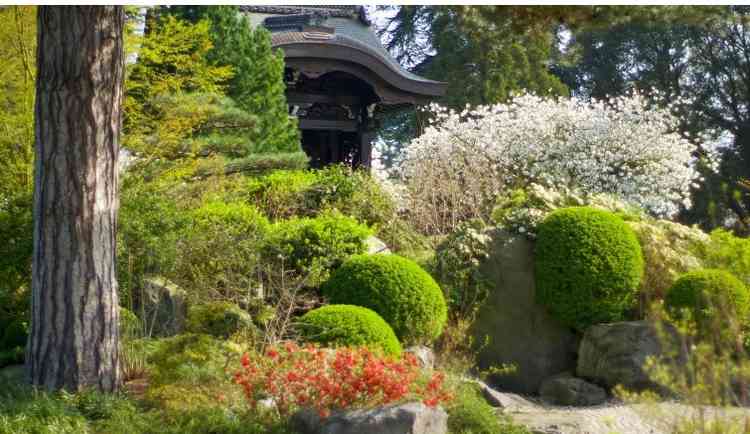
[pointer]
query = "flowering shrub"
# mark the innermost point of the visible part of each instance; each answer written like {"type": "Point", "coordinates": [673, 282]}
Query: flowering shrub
{"type": "Point", "coordinates": [340, 379]}
{"type": "Point", "coordinates": [623, 146]}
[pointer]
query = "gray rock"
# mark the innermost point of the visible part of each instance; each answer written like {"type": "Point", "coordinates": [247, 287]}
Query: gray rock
{"type": "Point", "coordinates": [567, 390]}
{"type": "Point", "coordinates": [409, 418]}
{"type": "Point", "coordinates": [425, 356]}
{"type": "Point", "coordinates": [612, 354]}
{"type": "Point", "coordinates": [520, 331]}
{"type": "Point", "coordinates": [376, 245]}
{"type": "Point", "coordinates": [504, 400]}
{"type": "Point", "coordinates": [164, 307]}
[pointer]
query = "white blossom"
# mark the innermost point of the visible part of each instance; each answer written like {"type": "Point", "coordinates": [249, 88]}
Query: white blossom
{"type": "Point", "coordinates": [624, 146]}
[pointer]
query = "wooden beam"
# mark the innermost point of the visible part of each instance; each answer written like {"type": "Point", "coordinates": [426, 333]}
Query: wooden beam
{"type": "Point", "coordinates": [315, 124]}
{"type": "Point", "coordinates": [312, 98]}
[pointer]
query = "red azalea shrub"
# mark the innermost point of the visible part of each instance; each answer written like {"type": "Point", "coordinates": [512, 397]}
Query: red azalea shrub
{"type": "Point", "coordinates": [340, 379]}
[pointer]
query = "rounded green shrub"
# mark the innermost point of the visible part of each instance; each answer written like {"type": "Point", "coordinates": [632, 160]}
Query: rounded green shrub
{"type": "Point", "coordinates": [15, 335]}
{"type": "Point", "coordinates": [218, 318]}
{"type": "Point", "coordinates": [397, 289]}
{"type": "Point", "coordinates": [588, 266]}
{"type": "Point", "coordinates": [351, 326]}
{"type": "Point", "coordinates": [708, 293]}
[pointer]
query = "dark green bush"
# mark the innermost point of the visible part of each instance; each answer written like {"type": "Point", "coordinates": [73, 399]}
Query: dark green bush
{"type": "Point", "coordinates": [398, 289]}
{"type": "Point", "coordinates": [709, 293]}
{"type": "Point", "coordinates": [469, 413]}
{"type": "Point", "coordinates": [316, 245]}
{"type": "Point", "coordinates": [15, 335]}
{"type": "Point", "coordinates": [588, 266]}
{"type": "Point", "coordinates": [219, 318]}
{"type": "Point", "coordinates": [347, 325]}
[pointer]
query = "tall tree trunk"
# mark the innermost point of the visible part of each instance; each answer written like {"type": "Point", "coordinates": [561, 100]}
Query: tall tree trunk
{"type": "Point", "coordinates": [73, 341]}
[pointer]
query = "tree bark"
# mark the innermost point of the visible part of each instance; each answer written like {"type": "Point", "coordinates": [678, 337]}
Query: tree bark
{"type": "Point", "coordinates": [73, 342]}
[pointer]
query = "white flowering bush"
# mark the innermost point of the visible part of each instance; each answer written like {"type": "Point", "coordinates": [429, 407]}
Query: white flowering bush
{"type": "Point", "coordinates": [624, 147]}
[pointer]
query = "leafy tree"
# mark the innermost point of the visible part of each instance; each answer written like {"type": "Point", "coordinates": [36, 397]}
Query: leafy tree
{"type": "Point", "coordinates": [17, 78]}
{"type": "Point", "coordinates": [493, 62]}
{"type": "Point", "coordinates": [258, 81]}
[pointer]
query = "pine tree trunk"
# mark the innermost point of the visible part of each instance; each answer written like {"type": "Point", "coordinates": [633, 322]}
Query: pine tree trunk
{"type": "Point", "coordinates": [74, 309]}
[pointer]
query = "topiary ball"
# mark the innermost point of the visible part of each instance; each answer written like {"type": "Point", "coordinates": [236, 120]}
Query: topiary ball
{"type": "Point", "coordinates": [708, 293]}
{"type": "Point", "coordinates": [397, 289]}
{"type": "Point", "coordinates": [351, 326]}
{"type": "Point", "coordinates": [218, 318]}
{"type": "Point", "coordinates": [588, 266]}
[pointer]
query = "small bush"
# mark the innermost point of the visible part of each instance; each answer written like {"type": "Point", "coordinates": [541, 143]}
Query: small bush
{"type": "Point", "coordinates": [396, 288]}
{"type": "Point", "coordinates": [316, 245]}
{"type": "Point", "coordinates": [130, 324]}
{"type": "Point", "coordinates": [710, 295]}
{"type": "Point", "coordinates": [588, 266]}
{"type": "Point", "coordinates": [471, 414]}
{"type": "Point", "coordinates": [343, 379]}
{"type": "Point", "coordinates": [219, 318]}
{"type": "Point", "coordinates": [15, 335]}
{"type": "Point", "coordinates": [349, 326]}
{"type": "Point", "coordinates": [220, 250]}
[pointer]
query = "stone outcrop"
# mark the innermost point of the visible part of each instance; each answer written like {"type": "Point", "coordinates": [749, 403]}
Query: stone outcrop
{"type": "Point", "coordinates": [425, 356]}
{"type": "Point", "coordinates": [164, 306]}
{"type": "Point", "coordinates": [566, 390]}
{"type": "Point", "coordinates": [375, 245]}
{"type": "Point", "coordinates": [409, 418]}
{"type": "Point", "coordinates": [612, 354]}
{"type": "Point", "coordinates": [520, 331]}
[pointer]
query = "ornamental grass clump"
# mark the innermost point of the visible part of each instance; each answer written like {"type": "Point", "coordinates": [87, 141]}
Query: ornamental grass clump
{"type": "Point", "coordinates": [347, 378]}
{"type": "Point", "coordinates": [588, 266]}
{"type": "Point", "coordinates": [351, 326]}
{"type": "Point", "coordinates": [398, 289]}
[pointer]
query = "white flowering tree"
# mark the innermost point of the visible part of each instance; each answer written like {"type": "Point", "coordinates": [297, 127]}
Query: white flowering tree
{"type": "Point", "coordinates": [625, 147]}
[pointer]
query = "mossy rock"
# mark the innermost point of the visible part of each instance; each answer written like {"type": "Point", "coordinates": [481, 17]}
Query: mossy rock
{"type": "Point", "coordinates": [351, 326]}
{"type": "Point", "coordinates": [219, 318]}
{"type": "Point", "coordinates": [588, 266]}
{"type": "Point", "coordinates": [398, 289]}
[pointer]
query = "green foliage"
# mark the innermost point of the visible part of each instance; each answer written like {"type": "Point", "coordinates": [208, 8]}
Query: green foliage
{"type": "Point", "coordinates": [315, 246]}
{"type": "Point", "coordinates": [16, 231]}
{"type": "Point", "coordinates": [469, 413]}
{"type": "Point", "coordinates": [191, 359]}
{"type": "Point", "coordinates": [258, 81]}
{"type": "Point", "coordinates": [710, 295]}
{"type": "Point", "coordinates": [130, 325]}
{"type": "Point", "coordinates": [588, 266]}
{"type": "Point", "coordinates": [394, 287]}
{"type": "Point", "coordinates": [259, 163]}
{"type": "Point", "coordinates": [729, 252]}
{"type": "Point", "coordinates": [17, 90]}
{"type": "Point", "coordinates": [219, 250]}
{"type": "Point", "coordinates": [219, 319]}
{"type": "Point", "coordinates": [283, 194]}
{"type": "Point", "coordinates": [456, 267]}
{"type": "Point", "coordinates": [15, 335]}
{"type": "Point", "coordinates": [346, 325]}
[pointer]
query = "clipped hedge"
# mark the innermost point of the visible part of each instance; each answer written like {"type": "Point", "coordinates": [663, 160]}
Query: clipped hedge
{"type": "Point", "coordinates": [351, 326]}
{"type": "Point", "coordinates": [218, 318]}
{"type": "Point", "coordinates": [315, 246]}
{"type": "Point", "coordinates": [709, 294]}
{"type": "Point", "coordinates": [397, 288]}
{"type": "Point", "coordinates": [588, 266]}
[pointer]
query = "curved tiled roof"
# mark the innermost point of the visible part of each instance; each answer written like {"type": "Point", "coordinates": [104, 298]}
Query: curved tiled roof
{"type": "Point", "coordinates": [352, 35]}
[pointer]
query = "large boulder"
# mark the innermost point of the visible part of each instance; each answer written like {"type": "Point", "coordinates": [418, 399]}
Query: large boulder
{"type": "Point", "coordinates": [570, 391]}
{"type": "Point", "coordinates": [520, 332]}
{"type": "Point", "coordinates": [612, 354]}
{"type": "Point", "coordinates": [164, 306]}
{"type": "Point", "coordinates": [409, 418]}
